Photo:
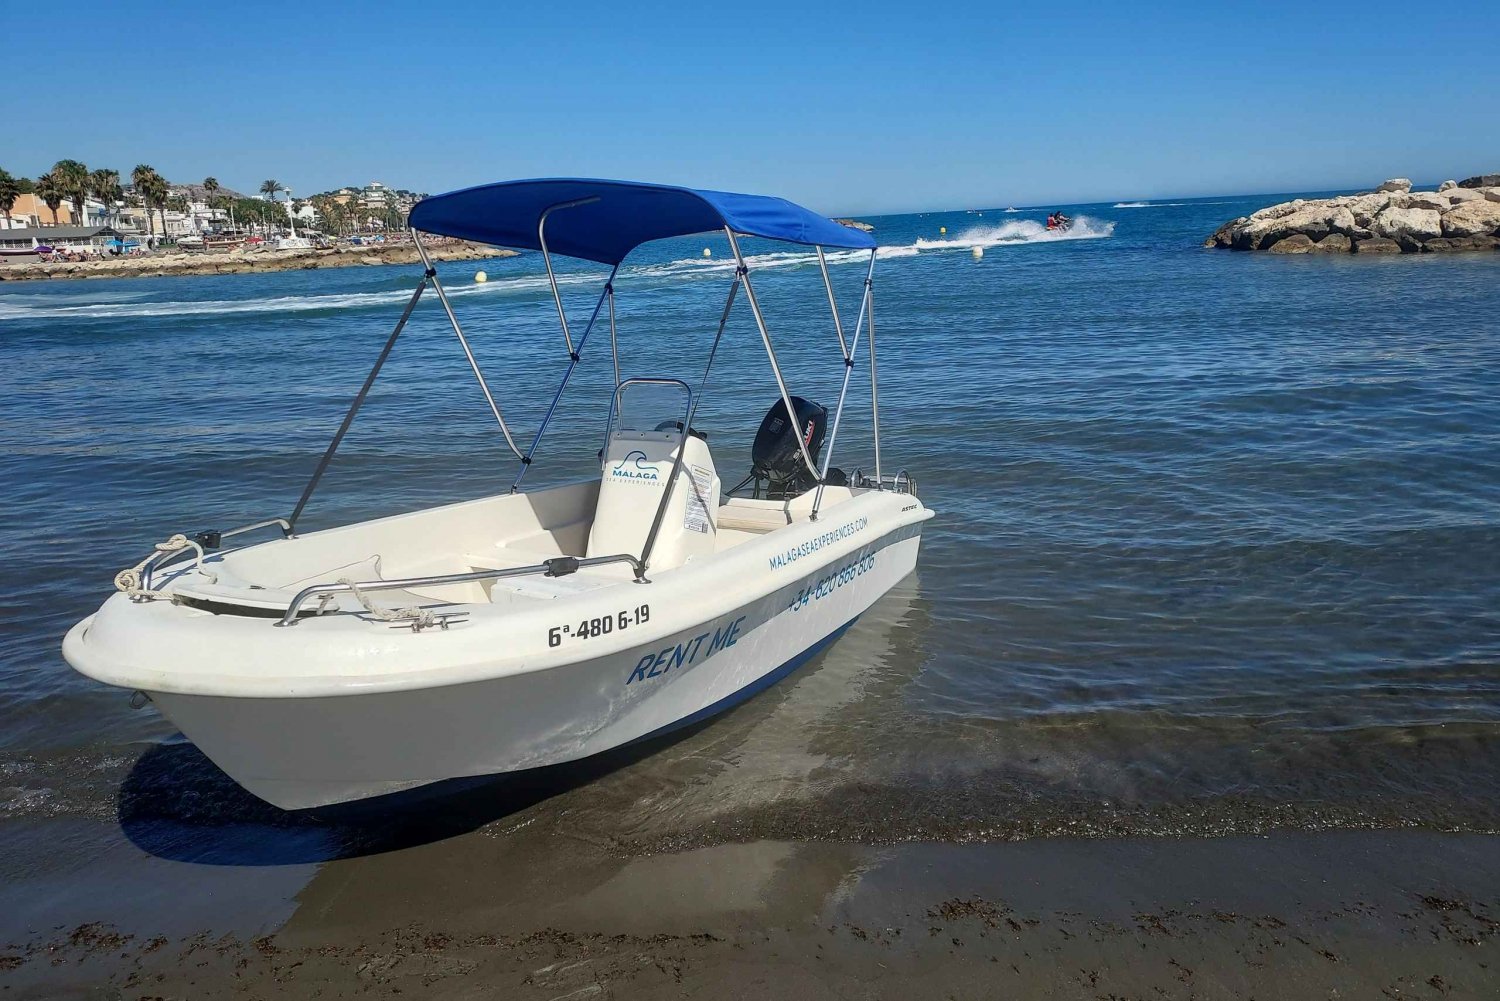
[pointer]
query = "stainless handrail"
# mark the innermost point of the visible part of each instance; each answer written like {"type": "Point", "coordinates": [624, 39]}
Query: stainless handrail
{"type": "Point", "coordinates": [561, 566]}
{"type": "Point", "coordinates": [645, 380]}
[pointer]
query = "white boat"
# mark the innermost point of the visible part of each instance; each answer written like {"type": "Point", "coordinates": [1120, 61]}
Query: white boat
{"type": "Point", "coordinates": [293, 243]}
{"type": "Point", "coordinates": [530, 627]}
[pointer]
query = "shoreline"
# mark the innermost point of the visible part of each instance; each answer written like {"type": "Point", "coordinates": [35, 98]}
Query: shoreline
{"type": "Point", "coordinates": [250, 261]}
{"type": "Point", "coordinates": [1407, 913]}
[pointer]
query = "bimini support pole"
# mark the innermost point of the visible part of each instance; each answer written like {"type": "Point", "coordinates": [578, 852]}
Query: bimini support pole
{"type": "Point", "coordinates": [874, 381]}
{"type": "Point", "coordinates": [765, 336]}
{"type": "Point", "coordinates": [359, 401]}
{"type": "Point", "coordinates": [849, 352]}
{"type": "Point", "coordinates": [687, 428]}
{"type": "Point", "coordinates": [437, 287]}
{"type": "Point", "coordinates": [614, 343]}
{"type": "Point", "coordinates": [833, 305]}
{"type": "Point", "coordinates": [541, 238]}
{"type": "Point", "coordinates": [574, 357]}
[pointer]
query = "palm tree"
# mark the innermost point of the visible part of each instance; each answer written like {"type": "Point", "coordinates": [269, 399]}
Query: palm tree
{"type": "Point", "coordinates": [105, 186]}
{"type": "Point", "coordinates": [73, 181]}
{"type": "Point", "coordinates": [211, 191]}
{"type": "Point", "coordinates": [159, 195]}
{"type": "Point", "coordinates": [152, 189]}
{"type": "Point", "coordinates": [10, 191]}
{"type": "Point", "coordinates": [269, 189]}
{"type": "Point", "coordinates": [50, 191]}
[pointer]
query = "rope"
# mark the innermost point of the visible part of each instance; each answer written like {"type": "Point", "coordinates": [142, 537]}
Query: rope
{"type": "Point", "coordinates": [420, 618]}
{"type": "Point", "coordinates": [129, 581]}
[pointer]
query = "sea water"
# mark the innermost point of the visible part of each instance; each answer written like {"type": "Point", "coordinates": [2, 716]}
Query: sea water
{"type": "Point", "coordinates": [1217, 545]}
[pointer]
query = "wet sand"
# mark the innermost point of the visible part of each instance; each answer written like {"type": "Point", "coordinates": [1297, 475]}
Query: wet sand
{"type": "Point", "coordinates": [493, 914]}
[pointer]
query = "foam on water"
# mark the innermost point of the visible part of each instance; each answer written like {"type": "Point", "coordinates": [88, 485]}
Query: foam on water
{"type": "Point", "coordinates": [1020, 231]}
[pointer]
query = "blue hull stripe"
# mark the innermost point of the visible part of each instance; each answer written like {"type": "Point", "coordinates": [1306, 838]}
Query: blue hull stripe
{"type": "Point", "coordinates": [754, 688]}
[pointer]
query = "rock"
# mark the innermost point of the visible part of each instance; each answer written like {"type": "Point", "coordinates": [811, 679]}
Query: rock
{"type": "Point", "coordinates": [1315, 220]}
{"type": "Point", "coordinates": [1377, 245]}
{"type": "Point", "coordinates": [1279, 210]}
{"type": "Point", "coordinates": [1472, 218]}
{"type": "Point", "coordinates": [1410, 224]}
{"type": "Point", "coordinates": [1341, 220]}
{"type": "Point", "coordinates": [1492, 194]}
{"type": "Point", "coordinates": [1333, 243]}
{"type": "Point", "coordinates": [1481, 181]}
{"type": "Point", "coordinates": [1459, 195]}
{"type": "Point", "coordinates": [1425, 200]}
{"type": "Point", "coordinates": [1396, 184]}
{"type": "Point", "coordinates": [1447, 185]}
{"type": "Point", "coordinates": [1297, 243]}
{"type": "Point", "coordinates": [1224, 235]}
{"type": "Point", "coordinates": [1365, 207]}
{"type": "Point", "coordinates": [1462, 243]}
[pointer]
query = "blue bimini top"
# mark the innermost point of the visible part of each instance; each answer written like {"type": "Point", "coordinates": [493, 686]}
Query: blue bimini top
{"type": "Point", "coordinates": [618, 216]}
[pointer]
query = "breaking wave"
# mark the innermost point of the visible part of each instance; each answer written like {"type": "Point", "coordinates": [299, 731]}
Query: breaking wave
{"type": "Point", "coordinates": [1020, 231]}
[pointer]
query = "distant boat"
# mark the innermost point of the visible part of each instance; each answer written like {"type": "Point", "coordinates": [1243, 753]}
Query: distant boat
{"type": "Point", "coordinates": [1012, 209]}
{"type": "Point", "coordinates": [294, 243]}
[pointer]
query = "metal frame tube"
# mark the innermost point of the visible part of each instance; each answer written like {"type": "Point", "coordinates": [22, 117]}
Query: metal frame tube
{"type": "Point", "coordinates": [765, 336]}
{"type": "Point", "coordinates": [874, 381]}
{"type": "Point", "coordinates": [541, 238]}
{"type": "Point", "coordinates": [687, 427]}
{"type": "Point", "coordinates": [614, 344]}
{"type": "Point", "coordinates": [437, 287]}
{"type": "Point", "coordinates": [359, 400]}
{"type": "Point", "coordinates": [833, 431]}
{"type": "Point", "coordinates": [833, 306]}
{"type": "Point", "coordinates": [574, 357]}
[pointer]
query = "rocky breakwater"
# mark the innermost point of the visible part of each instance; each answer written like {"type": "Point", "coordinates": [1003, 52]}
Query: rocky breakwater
{"type": "Point", "coordinates": [1392, 219]}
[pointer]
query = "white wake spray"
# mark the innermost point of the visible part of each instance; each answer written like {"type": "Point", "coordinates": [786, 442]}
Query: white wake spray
{"type": "Point", "coordinates": [1020, 231]}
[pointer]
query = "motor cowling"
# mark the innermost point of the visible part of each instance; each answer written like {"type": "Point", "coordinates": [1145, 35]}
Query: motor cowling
{"type": "Point", "coordinates": [775, 455]}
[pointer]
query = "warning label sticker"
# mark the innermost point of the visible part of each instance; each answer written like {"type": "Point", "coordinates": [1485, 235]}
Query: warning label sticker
{"type": "Point", "coordinates": [695, 516]}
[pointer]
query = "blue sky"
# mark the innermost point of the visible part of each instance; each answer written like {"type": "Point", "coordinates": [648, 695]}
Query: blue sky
{"type": "Point", "coordinates": [865, 107]}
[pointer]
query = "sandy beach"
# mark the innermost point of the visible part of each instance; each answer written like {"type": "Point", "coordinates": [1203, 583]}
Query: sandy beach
{"type": "Point", "coordinates": [248, 261]}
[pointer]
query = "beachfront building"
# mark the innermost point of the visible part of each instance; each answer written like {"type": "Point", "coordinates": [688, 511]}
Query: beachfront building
{"type": "Point", "coordinates": [30, 211]}
{"type": "Point", "coordinates": [373, 197]}
{"type": "Point", "coordinates": [74, 238]}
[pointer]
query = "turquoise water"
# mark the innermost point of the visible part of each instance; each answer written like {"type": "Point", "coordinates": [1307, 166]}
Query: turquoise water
{"type": "Point", "coordinates": [1217, 546]}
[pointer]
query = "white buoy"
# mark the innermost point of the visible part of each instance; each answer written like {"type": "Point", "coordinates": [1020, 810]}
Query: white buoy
{"type": "Point", "coordinates": [978, 252]}
{"type": "Point", "coordinates": [480, 277]}
{"type": "Point", "coordinates": [707, 252]}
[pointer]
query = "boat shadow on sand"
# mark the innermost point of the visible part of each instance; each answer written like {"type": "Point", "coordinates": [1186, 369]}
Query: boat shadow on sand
{"type": "Point", "coordinates": [176, 804]}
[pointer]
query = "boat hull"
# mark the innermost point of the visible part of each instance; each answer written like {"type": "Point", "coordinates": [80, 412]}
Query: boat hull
{"type": "Point", "coordinates": [303, 752]}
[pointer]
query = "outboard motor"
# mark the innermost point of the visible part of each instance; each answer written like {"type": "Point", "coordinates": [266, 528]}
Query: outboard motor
{"type": "Point", "coordinates": [775, 457]}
